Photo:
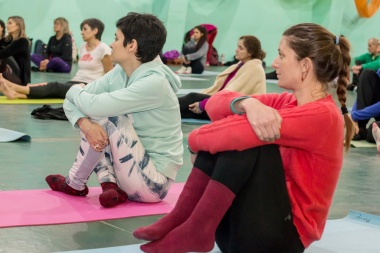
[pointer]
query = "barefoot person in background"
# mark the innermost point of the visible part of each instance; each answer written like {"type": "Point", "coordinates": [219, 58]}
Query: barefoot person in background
{"type": "Point", "coordinates": [94, 62]}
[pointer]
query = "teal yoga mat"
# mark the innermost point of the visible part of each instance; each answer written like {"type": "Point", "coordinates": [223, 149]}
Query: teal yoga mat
{"type": "Point", "coordinates": [196, 121]}
{"type": "Point", "coordinates": [7, 135]}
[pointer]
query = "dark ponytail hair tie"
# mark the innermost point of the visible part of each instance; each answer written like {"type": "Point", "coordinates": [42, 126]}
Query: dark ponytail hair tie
{"type": "Point", "coordinates": [344, 110]}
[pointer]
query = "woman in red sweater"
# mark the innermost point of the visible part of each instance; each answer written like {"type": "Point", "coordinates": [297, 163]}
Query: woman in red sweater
{"type": "Point", "coordinates": [258, 184]}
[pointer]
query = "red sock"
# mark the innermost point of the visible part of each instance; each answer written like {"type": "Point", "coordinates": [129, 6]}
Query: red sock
{"type": "Point", "coordinates": [188, 199]}
{"type": "Point", "coordinates": [112, 195]}
{"type": "Point", "coordinates": [58, 183]}
{"type": "Point", "coordinates": [197, 233]}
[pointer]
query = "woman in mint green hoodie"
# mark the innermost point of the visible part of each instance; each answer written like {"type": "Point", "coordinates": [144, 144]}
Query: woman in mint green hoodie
{"type": "Point", "coordinates": [129, 120]}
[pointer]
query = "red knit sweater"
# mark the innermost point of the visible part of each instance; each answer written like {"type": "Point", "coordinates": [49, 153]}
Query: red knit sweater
{"type": "Point", "coordinates": [311, 146]}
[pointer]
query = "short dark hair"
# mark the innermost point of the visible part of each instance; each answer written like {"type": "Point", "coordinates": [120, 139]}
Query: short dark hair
{"type": "Point", "coordinates": [94, 23]}
{"type": "Point", "coordinates": [147, 30]}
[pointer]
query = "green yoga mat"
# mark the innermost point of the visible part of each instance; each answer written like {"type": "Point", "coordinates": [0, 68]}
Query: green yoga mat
{"type": "Point", "coordinates": [5, 101]}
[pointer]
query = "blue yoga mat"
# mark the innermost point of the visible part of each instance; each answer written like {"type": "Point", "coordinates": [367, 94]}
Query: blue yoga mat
{"type": "Point", "coordinates": [357, 232]}
{"type": "Point", "coordinates": [134, 248]}
{"type": "Point", "coordinates": [196, 121]}
{"type": "Point", "coordinates": [7, 135]}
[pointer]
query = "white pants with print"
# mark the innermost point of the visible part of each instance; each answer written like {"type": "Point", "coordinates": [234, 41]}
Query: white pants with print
{"type": "Point", "coordinates": [124, 161]}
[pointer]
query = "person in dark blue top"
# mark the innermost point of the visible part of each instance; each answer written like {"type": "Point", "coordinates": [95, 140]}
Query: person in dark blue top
{"type": "Point", "coordinates": [367, 104]}
{"type": "Point", "coordinates": [59, 50]}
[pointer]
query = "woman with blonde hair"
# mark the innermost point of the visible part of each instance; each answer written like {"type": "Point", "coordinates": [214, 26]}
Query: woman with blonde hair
{"type": "Point", "coordinates": [58, 52]}
{"type": "Point", "coordinates": [15, 52]}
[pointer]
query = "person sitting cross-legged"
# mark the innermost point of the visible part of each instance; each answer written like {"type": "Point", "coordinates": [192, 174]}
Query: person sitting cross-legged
{"type": "Point", "coordinates": [129, 120]}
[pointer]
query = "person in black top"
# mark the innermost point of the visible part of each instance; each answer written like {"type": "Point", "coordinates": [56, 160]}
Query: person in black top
{"type": "Point", "coordinates": [2, 29]}
{"type": "Point", "coordinates": [15, 52]}
{"type": "Point", "coordinates": [59, 50]}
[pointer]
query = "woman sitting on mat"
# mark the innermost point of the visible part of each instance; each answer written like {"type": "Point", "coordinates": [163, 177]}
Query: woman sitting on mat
{"type": "Point", "coordinates": [59, 50]}
{"type": "Point", "coordinates": [94, 62]}
{"type": "Point", "coordinates": [246, 77]}
{"type": "Point", "coordinates": [194, 52]}
{"type": "Point", "coordinates": [129, 119]}
{"type": "Point", "coordinates": [366, 107]}
{"type": "Point", "coordinates": [367, 104]}
{"type": "Point", "coordinates": [15, 52]}
{"type": "Point", "coordinates": [257, 184]}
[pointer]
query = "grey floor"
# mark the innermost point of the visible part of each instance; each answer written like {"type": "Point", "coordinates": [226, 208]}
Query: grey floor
{"type": "Point", "coordinates": [24, 165]}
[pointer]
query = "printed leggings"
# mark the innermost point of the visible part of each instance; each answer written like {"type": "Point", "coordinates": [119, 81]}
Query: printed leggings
{"type": "Point", "coordinates": [124, 161]}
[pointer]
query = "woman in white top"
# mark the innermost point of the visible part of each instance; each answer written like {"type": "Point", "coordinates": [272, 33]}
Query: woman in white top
{"type": "Point", "coordinates": [94, 62]}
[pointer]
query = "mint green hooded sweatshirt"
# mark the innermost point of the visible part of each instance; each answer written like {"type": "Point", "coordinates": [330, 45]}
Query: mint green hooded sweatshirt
{"type": "Point", "coordinates": [148, 98]}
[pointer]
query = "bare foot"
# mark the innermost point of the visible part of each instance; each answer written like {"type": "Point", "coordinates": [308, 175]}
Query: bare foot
{"type": "Point", "coordinates": [376, 135]}
{"type": "Point", "coordinates": [1, 86]}
{"type": "Point", "coordinates": [8, 92]}
{"type": "Point", "coordinates": [43, 65]}
{"type": "Point", "coordinates": [7, 82]}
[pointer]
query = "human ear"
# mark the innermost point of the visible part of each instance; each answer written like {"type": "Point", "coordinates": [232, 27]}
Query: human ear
{"type": "Point", "coordinates": [306, 65]}
{"type": "Point", "coordinates": [133, 45]}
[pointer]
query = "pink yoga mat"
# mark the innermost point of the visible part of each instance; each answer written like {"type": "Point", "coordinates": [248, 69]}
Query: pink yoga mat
{"type": "Point", "coordinates": [46, 207]}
